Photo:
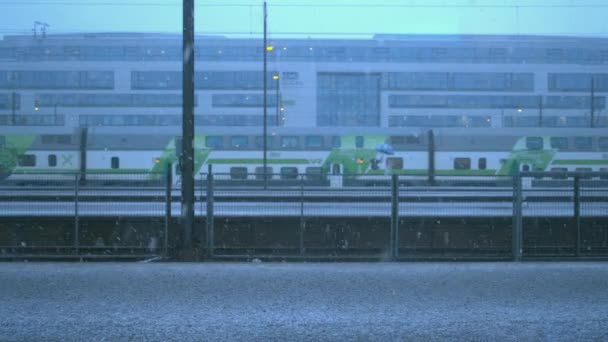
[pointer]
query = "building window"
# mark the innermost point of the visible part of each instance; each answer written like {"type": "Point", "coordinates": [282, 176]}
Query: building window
{"type": "Point", "coordinates": [462, 163]}
{"type": "Point", "coordinates": [115, 163]}
{"type": "Point", "coordinates": [534, 143]}
{"type": "Point", "coordinates": [239, 141]}
{"type": "Point", "coordinates": [27, 160]}
{"type": "Point", "coordinates": [602, 143]}
{"type": "Point", "coordinates": [289, 142]}
{"type": "Point", "coordinates": [214, 141]}
{"type": "Point", "coordinates": [52, 160]}
{"type": "Point", "coordinates": [560, 143]}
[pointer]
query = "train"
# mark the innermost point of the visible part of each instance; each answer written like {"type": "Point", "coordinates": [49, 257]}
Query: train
{"type": "Point", "coordinates": [331, 156]}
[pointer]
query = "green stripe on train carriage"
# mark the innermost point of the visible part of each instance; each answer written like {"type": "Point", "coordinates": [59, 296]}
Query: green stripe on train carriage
{"type": "Point", "coordinates": [257, 161]}
{"type": "Point", "coordinates": [424, 172]}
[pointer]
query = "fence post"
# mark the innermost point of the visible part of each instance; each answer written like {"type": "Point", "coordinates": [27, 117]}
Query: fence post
{"type": "Point", "coordinates": [76, 214]}
{"type": "Point", "coordinates": [168, 199]}
{"type": "Point", "coordinates": [517, 230]}
{"type": "Point", "coordinates": [210, 229]}
{"type": "Point", "coordinates": [577, 214]}
{"type": "Point", "coordinates": [302, 221]}
{"type": "Point", "coordinates": [394, 239]}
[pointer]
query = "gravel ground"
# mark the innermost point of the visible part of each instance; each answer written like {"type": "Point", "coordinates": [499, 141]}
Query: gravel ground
{"type": "Point", "coordinates": [303, 301]}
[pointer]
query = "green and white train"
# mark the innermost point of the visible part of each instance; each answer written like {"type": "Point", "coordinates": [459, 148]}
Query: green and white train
{"type": "Point", "coordinates": [315, 153]}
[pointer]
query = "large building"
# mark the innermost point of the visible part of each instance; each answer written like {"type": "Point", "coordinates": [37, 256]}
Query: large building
{"type": "Point", "coordinates": [387, 81]}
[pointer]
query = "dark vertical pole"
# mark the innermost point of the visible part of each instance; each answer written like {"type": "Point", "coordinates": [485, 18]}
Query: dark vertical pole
{"type": "Point", "coordinates": [431, 153]}
{"type": "Point", "coordinates": [168, 188]}
{"type": "Point", "coordinates": [592, 102]}
{"type": "Point", "coordinates": [577, 214]}
{"type": "Point", "coordinates": [84, 134]}
{"type": "Point", "coordinates": [394, 216]}
{"type": "Point", "coordinates": [540, 111]}
{"type": "Point", "coordinates": [188, 124]}
{"type": "Point", "coordinates": [265, 118]}
{"type": "Point", "coordinates": [210, 215]}
{"type": "Point", "coordinates": [517, 228]}
{"type": "Point", "coordinates": [302, 221]}
{"type": "Point", "coordinates": [76, 214]}
{"type": "Point", "coordinates": [14, 108]}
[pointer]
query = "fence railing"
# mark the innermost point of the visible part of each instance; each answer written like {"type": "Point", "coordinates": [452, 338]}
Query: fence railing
{"type": "Point", "coordinates": [299, 215]}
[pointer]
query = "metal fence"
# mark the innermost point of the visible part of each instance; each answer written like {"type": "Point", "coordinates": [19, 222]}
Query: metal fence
{"type": "Point", "coordinates": [534, 214]}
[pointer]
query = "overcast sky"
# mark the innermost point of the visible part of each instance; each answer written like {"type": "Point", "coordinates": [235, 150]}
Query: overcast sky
{"type": "Point", "coordinates": [326, 18]}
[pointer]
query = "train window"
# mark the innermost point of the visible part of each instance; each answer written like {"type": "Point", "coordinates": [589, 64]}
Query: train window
{"type": "Point", "coordinates": [602, 143]}
{"type": "Point", "coordinates": [560, 143]}
{"type": "Point", "coordinates": [64, 139]}
{"type": "Point", "coordinates": [534, 143]}
{"type": "Point", "coordinates": [315, 141]}
{"type": "Point", "coordinates": [214, 141]}
{"type": "Point", "coordinates": [462, 163]}
{"type": "Point", "coordinates": [289, 172]}
{"type": "Point", "coordinates": [289, 141]}
{"type": "Point", "coordinates": [397, 140]}
{"type": "Point", "coordinates": [502, 161]}
{"type": "Point", "coordinates": [525, 168]}
{"type": "Point", "coordinates": [52, 160]}
{"type": "Point", "coordinates": [336, 142]}
{"type": "Point", "coordinates": [259, 142]}
{"type": "Point", "coordinates": [313, 173]}
{"type": "Point", "coordinates": [239, 141]}
{"type": "Point", "coordinates": [482, 163]}
{"type": "Point", "coordinates": [238, 172]}
{"type": "Point", "coordinates": [605, 170]}
{"type": "Point", "coordinates": [27, 160]}
{"type": "Point", "coordinates": [359, 141]}
{"type": "Point", "coordinates": [583, 143]}
{"type": "Point", "coordinates": [259, 172]}
{"type": "Point", "coordinates": [394, 163]}
{"type": "Point", "coordinates": [115, 163]}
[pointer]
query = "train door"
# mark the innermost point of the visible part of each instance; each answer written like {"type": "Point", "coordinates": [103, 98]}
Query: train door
{"type": "Point", "coordinates": [335, 178]}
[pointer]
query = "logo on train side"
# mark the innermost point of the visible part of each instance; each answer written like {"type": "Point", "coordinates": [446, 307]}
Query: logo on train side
{"type": "Point", "coordinates": [66, 160]}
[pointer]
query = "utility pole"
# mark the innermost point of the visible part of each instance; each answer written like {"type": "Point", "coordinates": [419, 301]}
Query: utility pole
{"type": "Point", "coordinates": [540, 111]}
{"type": "Point", "coordinates": [265, 138]}
{"type": "Point", "coordinates": [187, 157]}
{"type": "Point", "coordinates": [592, 102]}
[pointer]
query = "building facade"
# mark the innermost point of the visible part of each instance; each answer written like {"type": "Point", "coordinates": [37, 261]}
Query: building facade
{"type": "Point", "coordinates": [387, 81]}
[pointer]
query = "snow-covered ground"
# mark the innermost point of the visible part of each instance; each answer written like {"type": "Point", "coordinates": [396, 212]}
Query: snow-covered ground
{"type": "Point", "coordinates": [303, 301]}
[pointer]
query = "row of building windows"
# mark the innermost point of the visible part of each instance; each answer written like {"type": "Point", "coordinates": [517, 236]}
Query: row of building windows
{"type": "Point", "coordinates": [275, 142]}
{"type": "Point", "coordinates": [148, 80]}
{"type": "Point", "coordinates": [554, 121]}
{"type": "Point", "coordinates": [242, 100]}
{"type": "Point", "coordinates": [439, 121]}
{"type": "Point", "coordinates": [46, 79]}
{"type": "Point", "coordinates": [459, 81]}
{"type": "Point", "coordinates": [212, 51]}
{"type": "Point", "coordinates": [172, 120]}
{"type": "Point", "coordinates": [32, 120]}
{"type": "Point", "coordinates": [494, 101]}
{"type": "Point", "coordinates": [109, 100]}
{"type": "Point", "coordinates": [10, 100]}
{"type": "Point", "coordinates": [578, 82]}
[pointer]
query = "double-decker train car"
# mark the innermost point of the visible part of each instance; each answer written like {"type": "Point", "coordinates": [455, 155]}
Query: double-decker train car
{"type": "Point", "coordinates": [351, 155]}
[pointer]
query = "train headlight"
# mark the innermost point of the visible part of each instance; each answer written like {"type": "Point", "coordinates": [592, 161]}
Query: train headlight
{"type": "Point", "coordinates": [156, 160]}
{"type": "Point", "coordinates": [360, 160]}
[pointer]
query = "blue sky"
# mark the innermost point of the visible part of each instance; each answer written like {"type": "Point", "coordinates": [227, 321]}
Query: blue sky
{"type": "Point", "coordinates": [300, 18]}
